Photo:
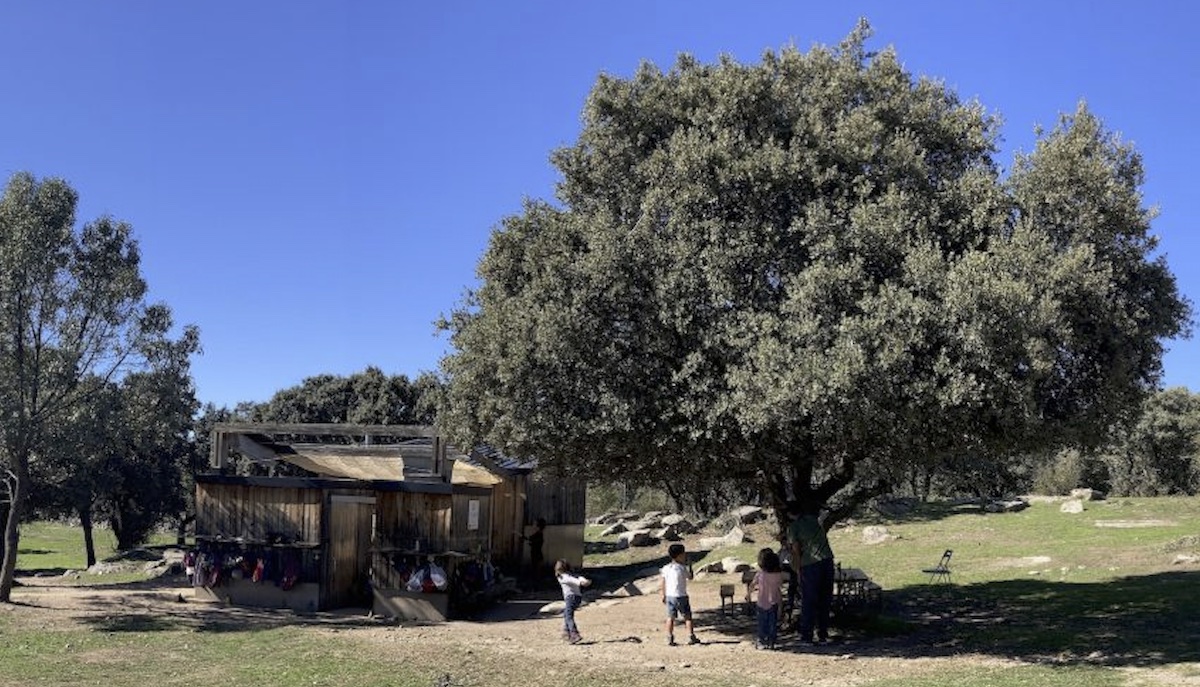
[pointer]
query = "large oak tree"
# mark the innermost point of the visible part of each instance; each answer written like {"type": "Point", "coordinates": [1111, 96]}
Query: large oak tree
{"type": "Point", "coordinates": [810, 273]}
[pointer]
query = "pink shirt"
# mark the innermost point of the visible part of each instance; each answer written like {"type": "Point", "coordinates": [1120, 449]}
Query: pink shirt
{"type": "Point", "coordinates": [770, 588]}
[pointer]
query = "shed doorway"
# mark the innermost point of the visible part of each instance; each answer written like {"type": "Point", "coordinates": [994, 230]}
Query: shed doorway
{"type": "Point", "coordinates": [351, 527]}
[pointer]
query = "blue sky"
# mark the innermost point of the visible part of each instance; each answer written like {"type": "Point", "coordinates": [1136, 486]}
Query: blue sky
{"type": "Point", "coordinates": [312, 183]}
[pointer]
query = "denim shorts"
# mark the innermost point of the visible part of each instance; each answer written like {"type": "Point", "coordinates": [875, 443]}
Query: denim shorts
{"type": "Point", "coordinates": [679, 606]}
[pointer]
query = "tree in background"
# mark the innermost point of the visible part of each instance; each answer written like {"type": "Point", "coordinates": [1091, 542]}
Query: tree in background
{"type": "Point", "coordinates": [809, 274]}
{"type": "Point", "coordinates": [1160, 454]}
{"type": "Point", "coordinates": [73, 318]}
{"type": "Point", "coordinates": [364, 398]}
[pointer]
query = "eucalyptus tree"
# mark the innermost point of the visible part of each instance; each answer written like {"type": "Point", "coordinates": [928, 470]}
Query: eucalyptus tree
{"type": "Point", "coordinates": [809, 273]}
{"type": "Point", "coordinates": [73, 317]}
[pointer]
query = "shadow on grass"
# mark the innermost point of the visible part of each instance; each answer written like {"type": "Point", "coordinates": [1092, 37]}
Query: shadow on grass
{"type": "Point", "coordinates": [1139, 621]}
{"type": "Point", "coordinates": [610, 578]}
{"type": "Point", "coordinates": [171, 616]}
{"type": "Point", "coordinates": [927, 511]}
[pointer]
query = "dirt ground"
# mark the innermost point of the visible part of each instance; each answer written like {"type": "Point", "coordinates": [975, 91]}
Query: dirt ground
{"type": "Point", "coordinates": [621, 633]}
{"type": "Point", "coordinates": [625, 633]}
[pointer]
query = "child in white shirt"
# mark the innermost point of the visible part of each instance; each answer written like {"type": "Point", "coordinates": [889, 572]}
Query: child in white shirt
{"type": "Point", "coordinates": [674, 592]}
{"type": "Point", "coordinates": [573, 596]}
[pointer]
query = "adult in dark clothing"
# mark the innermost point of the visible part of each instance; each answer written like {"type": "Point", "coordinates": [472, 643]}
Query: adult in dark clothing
{"type": "Point", "coordinates": [811, 551]}
{"type": "Point", "coordinates": [537, 541]}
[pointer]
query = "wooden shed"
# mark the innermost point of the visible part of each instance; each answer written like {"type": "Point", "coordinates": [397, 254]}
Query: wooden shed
{"type": "Point", "coordinates": [367, 509]}
{"type": "Point", "coordinates": [521, 496]}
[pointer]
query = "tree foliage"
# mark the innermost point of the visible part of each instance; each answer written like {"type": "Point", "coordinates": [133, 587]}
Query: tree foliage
{"type": "Point", "coordinates": [809, 273]}
{"type": "Point", "coordinates": [73, 319]}
{"type": "Point", "coordinates": [1160, 453]}
{"type": "Point", "coordinates": [364, 398]}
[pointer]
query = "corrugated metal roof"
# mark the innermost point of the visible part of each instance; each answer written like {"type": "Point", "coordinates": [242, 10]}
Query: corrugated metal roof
{"type": "Point", "coordinates": [514, 465]}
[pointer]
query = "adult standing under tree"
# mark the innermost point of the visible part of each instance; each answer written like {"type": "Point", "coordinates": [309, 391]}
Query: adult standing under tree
{"type": "Point", "coordinates": [811, 549]}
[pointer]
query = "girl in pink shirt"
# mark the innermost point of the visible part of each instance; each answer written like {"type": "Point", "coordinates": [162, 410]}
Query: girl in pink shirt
{"type": "Point", "coordinates": [769, 583]}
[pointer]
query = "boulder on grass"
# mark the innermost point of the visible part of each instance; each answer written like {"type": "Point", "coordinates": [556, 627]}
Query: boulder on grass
{"type": "Point", "coordinates": [636, 538]}
{"type": "Point", "coordinates": [1087, 494]}
{"type": "Point", "coordinates": [1008, 506]}
{"type": "Point", "coordinates": [1072, 506]}
{"type": "Point", "coordinates": [733, 564]}
{"type": "Point", "coordinates": [736, 536]}
{"type": "Point", "coordinates": [876, 534]}
{"type": "Point", "coordinates": [748, 515]}
{"type": "Point", "coordinates": [667, 533]}
{"type": "Point", "coordinates": [614, 529]}
{"type": "Point", "coordinates": [680, 523]}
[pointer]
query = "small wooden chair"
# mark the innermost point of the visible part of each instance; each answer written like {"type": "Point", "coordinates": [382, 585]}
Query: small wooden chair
{"type": "Point", "coordinates": [727, 592]}
{"type": "Point", "coordinates": [941, 571]}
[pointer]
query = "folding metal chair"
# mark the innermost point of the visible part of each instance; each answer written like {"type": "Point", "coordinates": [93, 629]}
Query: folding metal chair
{"type": "Point", "coordinates": [941, 571]}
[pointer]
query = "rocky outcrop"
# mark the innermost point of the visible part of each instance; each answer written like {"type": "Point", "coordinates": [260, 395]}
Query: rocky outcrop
{"type": "Point", "coordinates": [733, 538]}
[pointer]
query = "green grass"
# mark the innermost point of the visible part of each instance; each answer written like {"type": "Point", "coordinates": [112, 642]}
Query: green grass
{"type": "Point", "coordinates": [1068, 599]}
{"type": "Point", "coordinates": [56, 547]}
{"type": "Point", "coordinates": [1039, 597]}
{"type": "Point", "coordinates": [989, 676]}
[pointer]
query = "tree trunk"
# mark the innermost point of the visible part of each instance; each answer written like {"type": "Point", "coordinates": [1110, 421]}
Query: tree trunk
{"type": "Point", "coordinates": [12, 531]}
{"type": "Point", "coordinates": [181, 531]}
{"type": "Point", "coordinates": [89, 542]}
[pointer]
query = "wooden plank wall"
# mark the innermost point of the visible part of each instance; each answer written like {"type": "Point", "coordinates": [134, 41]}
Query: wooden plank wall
{"type": "Point", "coordinates": [508, 516]}
{"type": "Point", "coordinates": [253, 513]}
{"type": "Point", "coordinates": [463, 539]}
{"type": "Point", "coordinates": [404, 519]}
{"type": "Point", "coordinates": [560, 500]}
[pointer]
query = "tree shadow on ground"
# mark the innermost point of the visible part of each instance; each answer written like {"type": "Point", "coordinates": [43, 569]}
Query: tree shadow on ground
{"type": "Point", "coordinates": [168, 615]}
{"type": "Point", "coordinates": [610, 578]}
{"type": "Point", "coordinates": [925, 511]}
{"type": "Point", "coordinates": [1138, 621]}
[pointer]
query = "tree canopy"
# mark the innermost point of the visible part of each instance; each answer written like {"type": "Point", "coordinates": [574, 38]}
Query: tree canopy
{"type": "Point", "coordinates": [73, 320]}
{"type": "Point", "coordinates": [810, 272]}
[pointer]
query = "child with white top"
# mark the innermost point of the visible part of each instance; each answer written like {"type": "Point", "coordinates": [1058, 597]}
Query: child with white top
{"type": "Point", "coordinates": [674, 592]}
{"type": "Point", "coordinates": [573, 596]}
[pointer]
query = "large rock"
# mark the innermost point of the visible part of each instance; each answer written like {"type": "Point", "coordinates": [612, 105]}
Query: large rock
{"type": "Point", "coordinates": [636, 538]}
{"type": "Point", "coordinates": [667, 533]}
{"type": "Point", "coordinates": [733, 564]}
{"type": "Point", "coordinates": [1006, 506]}
{"type": "Point", "coordinates": [617, 516]}
{"type": "Point", "coordinates": [736, 536]}
{"type": "Point", "coordinates": [748, 515]}
{"type": "Point", "coordinates": [876, 534]}
{"type": "Point", "coordinates": [648, 521]}
{"type": "Point", "coordinates": [714, 567]}
{"type": "Point", "coordinates": [1072, 506]}
{"type": "Point", "coordinates": [1087, 494]}
{"type": "Point", "coordinates": [680, 523]}
{"type": "Point", "coordinates": [614, 529]}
